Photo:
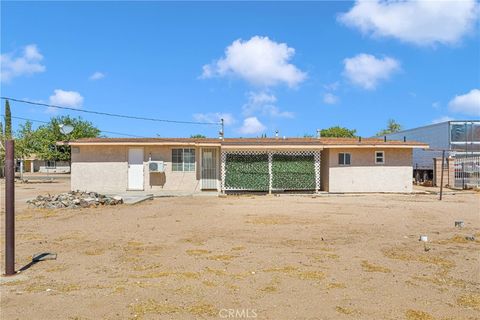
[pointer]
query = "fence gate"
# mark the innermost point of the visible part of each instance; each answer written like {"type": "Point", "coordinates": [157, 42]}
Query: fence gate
{"type": "Point", "coordinates": [467, 171]}
{"type": "Point", "coordinates": [209, 168]}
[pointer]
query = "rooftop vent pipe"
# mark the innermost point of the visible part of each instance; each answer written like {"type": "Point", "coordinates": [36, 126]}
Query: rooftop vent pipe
{"type": "Point", "coordinates": [319, 133]}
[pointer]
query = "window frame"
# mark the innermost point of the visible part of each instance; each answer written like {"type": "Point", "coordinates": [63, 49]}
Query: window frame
{"type": "Point", "coordinates": [345, 159]}
{"type": "Point", "coordinates": [179, 155]}
{"type": "Point", "coordinates": [376, 157]}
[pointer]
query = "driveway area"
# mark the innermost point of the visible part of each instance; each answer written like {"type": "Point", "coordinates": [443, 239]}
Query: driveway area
{"type": "Point", "coordinates": [255, 257]}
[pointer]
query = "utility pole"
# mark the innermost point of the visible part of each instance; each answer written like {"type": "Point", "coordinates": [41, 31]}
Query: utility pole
{"type": "Point", "coordinates": [9, 208]}
{"type": "Point", "coordinates": [222, 128]}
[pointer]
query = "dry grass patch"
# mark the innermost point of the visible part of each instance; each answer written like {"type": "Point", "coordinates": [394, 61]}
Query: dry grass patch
{"type": "Point", "coordinates": [216, 272]}
{"type": "Point", "coordinates": [459, 239]}
{"type": "Point", "coordinates": [275, 220]}
{"type": "Point", "coordinates": [222, 257]}
{"type": "Point", "coordinates": [94, 252]}
{"type": "Point", "coordinates": [407, 255]}
{"type": "Point", "coordinates": [179, 275]}
{"type": "Point", "coordinates": [152, 306]}
{"type": "Point", "coordinates": [470, 301]}
{"type": "Point", "coordinates": [202, 309]}
{"type": "Point", "coordinates": [336, 285]}
{"type": "Point", "coordinates": [418, 315]}
{"type": "Point", "coordinates": [369, 267]}
{"type": "Point", "coordinates": [210, 284]}
{"type": "Point", "coordinates": [29, 236]}
{"type": "Point", "coordinates": [297, 273]}
{"type": "Point", "coordinates": [197, 252]}
{"type": "Point", "coordinates": [55, 287]}
{"type": "Point", "coordinates": [345, 310]}
{"type": "Point", "coordinates": [239, 248]}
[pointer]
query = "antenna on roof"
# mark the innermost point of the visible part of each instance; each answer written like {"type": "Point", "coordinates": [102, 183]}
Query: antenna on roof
{"type": "Point", "coordinates": [276, 133]}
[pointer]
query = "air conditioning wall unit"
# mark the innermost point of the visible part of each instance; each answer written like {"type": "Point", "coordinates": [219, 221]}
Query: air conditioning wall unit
{"type": "Point", "coordinates": [156, 166]}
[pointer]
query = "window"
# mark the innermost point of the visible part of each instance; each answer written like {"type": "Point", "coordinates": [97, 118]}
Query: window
{"type": "Point", "coordinates": [379, 157]}
{"type": "Point", "coordinates": [50, 164]}
{"type": "Point", "coordinates": [183, 159]}
{"type": "Point", "coordinates": [344, 159]}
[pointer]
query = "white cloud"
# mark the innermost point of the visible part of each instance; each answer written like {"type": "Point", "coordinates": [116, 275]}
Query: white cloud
{"type": "Point", "coordinates": [367, 71]}
{"type": "Point", "coordinates": [442, 119]}
{"type": "Point", "coordinates": [97, 75]}
{"type": "Point", "coordinates": [436, 105]}
{"type": "Point", "coordinates": [252, 125]}
{"type": "Point", "coordinates": [332, 86]}
{"type": "Point", "coordinates": [260, 61]}
{"type": "Point", "coordinates": [264, 103]}
{"type": "Point", "coordinates": [330, 98]}
{"type": "Point", "coordinates": [28, 63]}
{"type": "Point", "coordinates": [418, 22]}
{"type": "Point", "coordinates": [468, 103]}
{"type": "Point", "coordinates": [228, 118]}
{"type": "Point", "coordinates": [64, 98]}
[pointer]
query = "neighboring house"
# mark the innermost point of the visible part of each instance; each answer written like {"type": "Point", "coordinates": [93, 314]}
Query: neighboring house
{"type": "Point", "coordinates": [459, 138]}
{"type": "Point", "coordinates": [259, 164]}
{"type": "Point", "coordinates": [33, 164]}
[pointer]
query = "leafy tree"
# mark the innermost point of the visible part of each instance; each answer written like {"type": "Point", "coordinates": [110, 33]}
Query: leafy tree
{"type": "Point", "coordinates": [8, 121]}
{"type": "Point", "coordinates": [338, 132]}
{"type": "Point", "coordinates": [25, 142]}
{"type": "Point", "coordinates": [46, 137]}
{"type": "Point", "coordinates": [198, 136]}
{"type": "Point", "coordinates": [392, 126]}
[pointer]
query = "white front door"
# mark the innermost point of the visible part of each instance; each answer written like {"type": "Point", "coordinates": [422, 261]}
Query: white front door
{"type": "Point", "coordinates": [135, 169]}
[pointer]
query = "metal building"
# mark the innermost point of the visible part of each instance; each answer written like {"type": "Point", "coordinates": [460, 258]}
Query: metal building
{"type": "Point", "coordinates": [460, 137]}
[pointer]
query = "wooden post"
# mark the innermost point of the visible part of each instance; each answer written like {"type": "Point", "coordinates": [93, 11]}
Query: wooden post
{"type": "Point", "coordinates": [9, 208]}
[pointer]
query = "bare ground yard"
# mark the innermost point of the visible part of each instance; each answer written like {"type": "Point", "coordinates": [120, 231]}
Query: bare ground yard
{"type": "Point", "coordinates": [287, 257]}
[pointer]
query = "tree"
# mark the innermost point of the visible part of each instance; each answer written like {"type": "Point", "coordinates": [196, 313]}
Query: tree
{"type": "Point", "coordinates": [198, 136]}
{"type": "Point", "coordinates": [338, 132]}
{"type": "Point", "coordinates": [8, 121]}
{"type": "Point", "coordinates": [392, 126]}
{"type": "Point", "coordinates": [24, 141]}
{"type": "Point", "coordinates": [46, 137]}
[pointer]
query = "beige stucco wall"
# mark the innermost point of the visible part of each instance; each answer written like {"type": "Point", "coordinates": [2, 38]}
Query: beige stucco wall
{"type": "Point", "coordinates": [363, 175]}
{"type": "Point", "coordinates": [324, 169]}
{"type": "Point", "coordinates": [105, 169]}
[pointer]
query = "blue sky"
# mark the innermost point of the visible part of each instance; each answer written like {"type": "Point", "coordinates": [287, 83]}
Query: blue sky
{"type": "Point", "coordinates": [294, 67]}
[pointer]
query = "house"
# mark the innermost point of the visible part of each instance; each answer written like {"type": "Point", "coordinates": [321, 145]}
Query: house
{"type": "Point", "coordinates": [459, 138]}
{"type": "Point", "coordinates": [34, 164]}
{"type": "Point", "coordinates": [245, 164]}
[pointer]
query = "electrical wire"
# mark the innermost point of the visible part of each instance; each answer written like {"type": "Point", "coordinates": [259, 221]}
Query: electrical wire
{"type": "Point", "coordinates": [109, 114]}
{"type": "Point", "coordinates": [104, 131]}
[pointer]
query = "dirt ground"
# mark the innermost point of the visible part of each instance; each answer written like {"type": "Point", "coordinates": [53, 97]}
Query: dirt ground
{"type": "Point", "coordinates": [263, 257]}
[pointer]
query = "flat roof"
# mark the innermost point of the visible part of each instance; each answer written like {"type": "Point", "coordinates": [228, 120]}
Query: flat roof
{"type": "Point", "coordinates": [252, 142]}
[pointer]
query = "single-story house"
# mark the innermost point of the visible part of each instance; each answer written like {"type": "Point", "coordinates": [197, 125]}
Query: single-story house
{"type": "Point", "coordinates": [242, 164]}
{"type": "Point", "coordinates": [34, 164]}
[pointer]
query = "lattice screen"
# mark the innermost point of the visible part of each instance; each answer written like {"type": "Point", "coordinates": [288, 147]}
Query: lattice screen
{"type": "Point", "coordinates": [264, 171]}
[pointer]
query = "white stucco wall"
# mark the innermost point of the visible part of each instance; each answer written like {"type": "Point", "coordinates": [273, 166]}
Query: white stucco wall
{"type": "Point", "coordinates": [363, 175]}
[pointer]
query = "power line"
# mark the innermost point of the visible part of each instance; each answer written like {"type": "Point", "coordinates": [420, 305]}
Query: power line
{"type": "Point", "coordinates": [108, 114]}
{"type": "Point", "coordinates": [104, 131]}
